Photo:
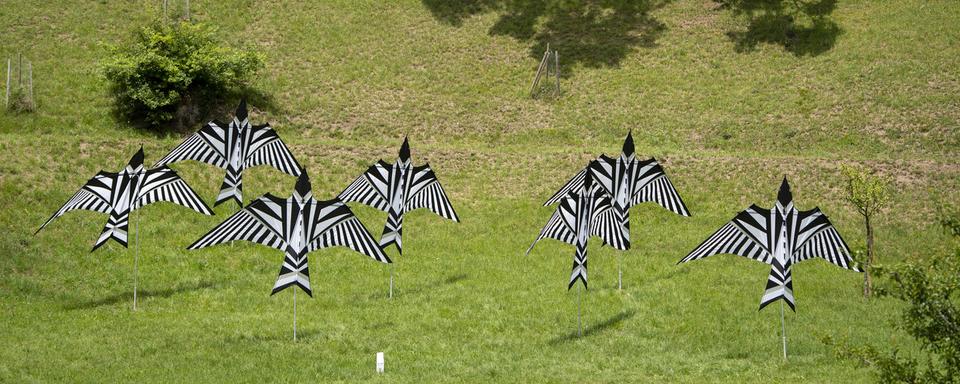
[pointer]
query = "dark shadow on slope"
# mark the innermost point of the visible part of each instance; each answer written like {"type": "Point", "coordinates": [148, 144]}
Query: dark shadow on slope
{"type": "Point", "coordinates": [127, 297]}
{"type": "Point", "coordinates": [801, 27]}
{"type": "Point", "coordinates": [596, 328]}
{"type": "Point", "coordinates": [594, 34]}
{"type": "Point", "coordinates": [200, 110]}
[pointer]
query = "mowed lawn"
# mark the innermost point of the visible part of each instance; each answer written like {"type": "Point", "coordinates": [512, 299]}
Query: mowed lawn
{"type": "Point", "coordinates": [349, 79]}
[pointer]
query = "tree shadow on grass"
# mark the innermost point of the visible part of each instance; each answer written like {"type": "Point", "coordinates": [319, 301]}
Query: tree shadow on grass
{"type": "Point", "coordinates": [801, 27]}
{"type": "Point", "coordinates": [596, 328]}
{"type": "Point", "coordinates": [127, 297]}
{"type": "Point", "coordinates": [594, 34]}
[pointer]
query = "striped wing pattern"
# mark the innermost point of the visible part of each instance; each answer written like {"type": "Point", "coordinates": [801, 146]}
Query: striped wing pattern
{"type": "Point", "coordinates": [574, 184]}
{"type": "Point", "coordinates": [577, 217]}
{"type": "Point", "coordinates": [260, 222]}
{"type": "Point", "coordinates": [345, 231]}
{"type": "Point", "coordinates": [652, 185]}
{"type": "Point", "coordinates": [371, 188]}
{"type": "Point", "coordinates": [397, 189]}
{"type": "Point", "coordinates": [780, 237]}
{"type": "Point", "coordinates": [729, 239]}
{"type": "Point", "coordinates": [426, 192]}
{"type": "Point", "coordinates": [818, 238]}
{"type": "Point", "coordinates": [235, 148]}
{"type": "Point", "coordinates": [562, 224]}
{"type": "Point", "coordinates": [266, 148]}
{"type": "Point", "coordinates": [95, 196]}
{"type": "Point", "coordinates": [163, 184]}
{"type": "Point", "coordinates": [208, 145]}
{"type": "Point", "coordinates": [297, 228]}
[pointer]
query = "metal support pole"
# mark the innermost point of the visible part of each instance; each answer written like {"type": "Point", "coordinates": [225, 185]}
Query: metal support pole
{"type": "Point", "coordinates": [188, 9]}
{"type": "Point", "coordinates": [579, 321]}
{"type": "Point", "coordinates": [783, 331]}
{"type": "Point", "coordinates": [136, 260]}
{"type": "Point", "coordinates": [391, 281]}
{"type": "Point", "coordinates": [620, 272]}
{"type": "Point", "coordinates": [544, 63]}
{"type": "Point", "coordinates": [33, 103]}
{"type": "Point", "coordinates": [556, 69]}
{"type": "Point", "coordinates": [6, 102]}
{"type": "Point", "coordinates": [294, 313]}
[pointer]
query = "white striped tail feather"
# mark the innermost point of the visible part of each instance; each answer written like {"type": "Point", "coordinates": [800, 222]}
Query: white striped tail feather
{"type": "Point", "coordinates": [779, 286]}
{"type": "Point", "coordinates": [295, 270]}
{"type": "Point", "coordinates": [116, 228]}
{"type": "Point", "coordinates": [579, 270]}
{"type": "Point", "coordinates": [392, 231]}
{"type": "Point", "coordinates": [232, 187]}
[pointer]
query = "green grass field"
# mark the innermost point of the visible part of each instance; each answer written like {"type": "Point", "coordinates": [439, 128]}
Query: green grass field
{"type": "Point", "coordinates": [348, 79]}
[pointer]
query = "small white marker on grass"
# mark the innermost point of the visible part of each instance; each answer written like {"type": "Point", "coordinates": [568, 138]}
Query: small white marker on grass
{"type": "Point", "coordinates": [379, 362]}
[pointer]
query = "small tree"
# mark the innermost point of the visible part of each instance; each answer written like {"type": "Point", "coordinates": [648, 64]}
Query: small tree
{"type": "Point", "coordinates": [170, 70]}
{"type": "Point", "coordinates": [868, 193]}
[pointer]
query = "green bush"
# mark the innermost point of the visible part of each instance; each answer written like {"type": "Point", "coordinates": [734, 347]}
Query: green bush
{"type": "Point", "coordinates": [168, 70]}
{"type": "Point", "coordinates": [930, 316]}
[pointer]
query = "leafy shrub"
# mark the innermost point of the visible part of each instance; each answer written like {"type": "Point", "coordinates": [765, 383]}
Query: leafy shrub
{"type": "Point", "coordinates": [169, 69]}
{"type": "Point", "coordinates": [931, 317]}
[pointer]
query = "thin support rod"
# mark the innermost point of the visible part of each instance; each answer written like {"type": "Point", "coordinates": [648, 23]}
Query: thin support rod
{"type": "Point", "coordinates": [30, 84]}
{"type": "Point", "coordinates": [620, 271]}
{"type": "Point", "coordinates": [579, 321]}
{"type": "Point", "coordinates": [390, 295]}
{"type": "Point", "coordinates": [556, 69]}
{"type": "Point", "coordinates": [544, 63]}
{"type": "Point", "coordinates": [136, 260]}
{"type": "Point", "coordinates": [6, 102]}
{"type": "Point", "coordinates": [783, 331]}
{"type": "Point", "coordinates": [294, 313]}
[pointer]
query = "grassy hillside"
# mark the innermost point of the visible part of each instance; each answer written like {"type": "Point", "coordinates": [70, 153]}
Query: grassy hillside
{"type": "Point", "coordinates": [726, 111]}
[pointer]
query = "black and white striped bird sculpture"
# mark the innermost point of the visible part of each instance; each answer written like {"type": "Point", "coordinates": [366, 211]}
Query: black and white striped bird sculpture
{"type": "Point", "coordinates": [399, 188]}
{"type": "Point", "coordinates": [781, 237]}
{"type": "Point", "coordinates": [583, 212]}
{"type": "Point", "coordinates": [235, 147]}
{"type": "Point", "coordinates": [628, 182]}
{"type": "Point", "coordinates": [118, 194]}
{"type": "Point", "coordinates": [297, 226]}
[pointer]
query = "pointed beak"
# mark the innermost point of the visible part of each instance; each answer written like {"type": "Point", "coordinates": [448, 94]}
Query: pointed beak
{"type": "Point", "coordinates": [241, 113]}
{"type": "Point", "coordinates": [628, 147]}
{"type": "Point", "coordinates": [405, 150]}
